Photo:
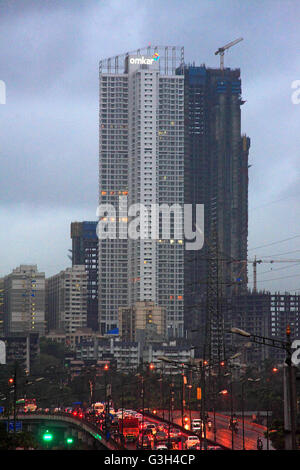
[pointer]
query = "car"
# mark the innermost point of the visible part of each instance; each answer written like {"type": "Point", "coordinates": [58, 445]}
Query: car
{"type": "Point", "coordinates": [161, 436]}
{"type": "Point", "coordinates": [196, 425]}
{"type": "Point", "coordinates": [143, 425]}
{"type": "Point", "coordinates": [161, 447]}
{"type": "Point", "coordinates": [214, 448]}
{"type": "Point", "coordinates": [192, 441]}
{"type": "Point", "coordinates": [174, 432]}
{"type": "Point", "coordinates": [152, 427]}
{"type": "Point", "coordinates": [144, 442]}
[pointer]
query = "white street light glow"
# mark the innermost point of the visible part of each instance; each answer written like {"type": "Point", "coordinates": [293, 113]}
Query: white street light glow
{"type": "Point", "coordinates": [240, 332]}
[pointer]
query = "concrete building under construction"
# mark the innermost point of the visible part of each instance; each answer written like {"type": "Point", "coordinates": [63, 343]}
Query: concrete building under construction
{"type": "Point", "coordinates": [216, 175]}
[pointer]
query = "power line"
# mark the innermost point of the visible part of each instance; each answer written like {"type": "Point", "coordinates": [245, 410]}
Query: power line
{"type": "Point", "coordinates": [275, 279]}
{"type": "Point", "coordinates": [274, 243]}
{"type": "Point", "coordinates": [279, 269]}
{"type": "Point", "coordinates": [280, 254]}
{"type": "Point", "coordinates": [273, 202]}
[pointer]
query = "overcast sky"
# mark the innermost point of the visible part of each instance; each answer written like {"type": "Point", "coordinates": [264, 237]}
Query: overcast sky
{"type": "Point", "coordinates": [49, 55]}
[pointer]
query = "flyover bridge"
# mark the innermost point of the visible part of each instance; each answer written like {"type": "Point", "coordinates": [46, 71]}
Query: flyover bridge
{"type": "Point", "coordinates": [89, 431]}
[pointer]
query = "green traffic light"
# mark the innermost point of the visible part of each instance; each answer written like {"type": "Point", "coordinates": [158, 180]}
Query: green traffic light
{"type": "Point", "coordinates": [70, 440]}
{"type": "Point", "coordinates": [47, 436]}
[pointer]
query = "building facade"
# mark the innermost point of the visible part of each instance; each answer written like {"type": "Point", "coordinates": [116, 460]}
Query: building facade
{"type": "Point", "coordinates": [21, 347]}
{"type": "Point", "coordinates": [85, 252]}
{"type": "Point", "coordinates": [66, 300]}
{"type": "Point", "coordinates": [216, 175]}
{"type": "Point", "coordinates": [1, 306]}
{"type": "Point", "coordinates": [264, 314]}
{"type": "Point", "coordinates": [24, 301]}
{"type": "Point", "coordinates": [141, 161]}
{"type": "Point", "coordinates": [134, 320]}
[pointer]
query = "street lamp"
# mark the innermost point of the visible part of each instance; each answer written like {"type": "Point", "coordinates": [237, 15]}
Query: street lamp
{"type": "Point", "coordinates": [240, 332]}
{"type": "Point", "coordinates": [105, 368]}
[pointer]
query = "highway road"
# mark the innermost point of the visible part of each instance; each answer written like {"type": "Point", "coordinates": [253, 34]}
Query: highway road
{"type": "Point", "coordinates": [224, 435]}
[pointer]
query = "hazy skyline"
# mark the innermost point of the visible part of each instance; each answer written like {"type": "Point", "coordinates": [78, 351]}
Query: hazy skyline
{"type": "Point", "coordinates": [49, 58]}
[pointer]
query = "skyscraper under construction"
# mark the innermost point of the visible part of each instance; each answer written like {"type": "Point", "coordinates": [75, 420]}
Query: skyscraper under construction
{"type": "Point", "coordinates": [216, 175]}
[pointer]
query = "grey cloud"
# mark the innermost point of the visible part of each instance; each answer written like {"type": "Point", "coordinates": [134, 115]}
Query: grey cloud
{"type": "Point", "coordinates": [49, 127]}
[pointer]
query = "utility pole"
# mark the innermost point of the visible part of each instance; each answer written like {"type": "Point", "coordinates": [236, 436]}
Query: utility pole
{"type": "Point", "coordinates": [290, 399]}
{"type": "Point", "coordinates": [231, 413]}
{"type": "Point", "coordinates": [243, 413]}
{"type": "Point", "coordinates": [143, 406]}
{"type": "Point", "coordinates": [15, 397]}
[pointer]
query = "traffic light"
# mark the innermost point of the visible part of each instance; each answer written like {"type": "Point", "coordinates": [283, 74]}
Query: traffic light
{"type": "Point", "coordinates": [69, 440]}
{"type": "Point", "coordinates": [106, 367]}
{"type": "Point", "coordinates": [151, 366]}
{"type": "Point", "coordinates": [10, 381]}
{"type": "Point", "coordinates": [186, 423]}
{"type": "Point", "coordinates": [47, 436]}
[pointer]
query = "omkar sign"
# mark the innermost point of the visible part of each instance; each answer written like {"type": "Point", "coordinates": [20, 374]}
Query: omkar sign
{"type": "Point", "coordinates": [143, 60]}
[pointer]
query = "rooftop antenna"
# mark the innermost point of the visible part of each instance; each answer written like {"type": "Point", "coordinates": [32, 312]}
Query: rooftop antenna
{"type": "Point", "coordinates": [222, 50]}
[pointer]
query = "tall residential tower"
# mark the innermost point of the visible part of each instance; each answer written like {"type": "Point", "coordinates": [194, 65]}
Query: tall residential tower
{"type": "Point", "coordinates": [141, 161]}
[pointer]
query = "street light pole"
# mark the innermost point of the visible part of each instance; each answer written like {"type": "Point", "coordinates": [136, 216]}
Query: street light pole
{"type": "Point", "coordinates": [289, 397]}
{"type": "Point", "coordinates": [15, 397]}
{"type": "Point", "coordinates": [143, 407]}
{"type": "Point", "coordinates": [243, 414]}
{"type": "Point", "coordinates": [231, 412]}
{"type": "Point", "coordinates": [182, 398]}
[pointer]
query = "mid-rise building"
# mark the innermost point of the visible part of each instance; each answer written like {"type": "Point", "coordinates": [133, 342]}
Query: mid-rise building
{"type": "Point", "coordinates": [135, 320]}
{"type": "Point", "coordinates": [85, 252]}
{"type": "Point", "coordinates": [24, 301]}
{"type": "Point", "coordinates": [21, 347]}
{"type": "Point", "coordinates": [1, 306]}
{"type": "Point", "coordinates": [126, 355]}
{"type": "Point", "coordinates": [181, 353]}
{"type": "Point", "coordinates": [66, 300]}
{"type": "Point", "coordinates": [250, 312]}
{"type": "Point", "coordinates": [263, 314]}
{"type": "Point", "coordinates": [71, 340]}
{"type": "Point", "coordinates": [285, 310]}
{"type": "Point", "coordinates": [141, 160]}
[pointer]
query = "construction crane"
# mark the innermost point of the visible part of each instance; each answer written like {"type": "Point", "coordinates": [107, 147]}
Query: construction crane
{"type": "Point", "coordinates": [222, 50]}
{"type": "Point", "coordinates": [256, 261]}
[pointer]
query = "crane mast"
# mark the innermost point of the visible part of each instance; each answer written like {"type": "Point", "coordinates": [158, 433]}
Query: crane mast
{"type": "Point", "coordinates": [221, 51]}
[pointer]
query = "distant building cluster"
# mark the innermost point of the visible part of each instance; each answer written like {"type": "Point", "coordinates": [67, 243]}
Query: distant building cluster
{"type": "Point", "coordinates": [170, 133]}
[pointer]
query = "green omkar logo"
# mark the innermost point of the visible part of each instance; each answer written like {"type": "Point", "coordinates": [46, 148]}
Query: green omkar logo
{"type": "Point", "coordinates": [144, 60]}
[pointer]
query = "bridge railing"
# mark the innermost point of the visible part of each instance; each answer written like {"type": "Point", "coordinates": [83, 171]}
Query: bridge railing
{"type": "Point", "coordinates": [88, 425]}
